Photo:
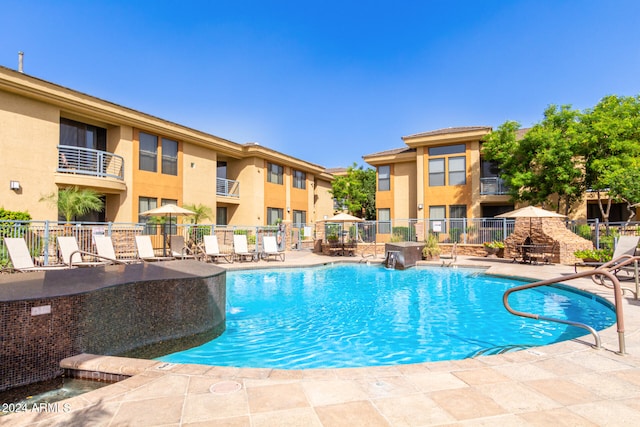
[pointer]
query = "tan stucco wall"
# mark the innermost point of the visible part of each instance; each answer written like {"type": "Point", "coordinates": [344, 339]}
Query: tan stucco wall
{"type": "Point", "coordinates": [324, 200]}
{"type": "Point", "coordinates": [404, 190]}
{"type": "Point", "coordinates": [29, 134]}
{"type": "Point", "coordinates": [199, 177]}
{"type": "Point", "coordinates": [250, 173]}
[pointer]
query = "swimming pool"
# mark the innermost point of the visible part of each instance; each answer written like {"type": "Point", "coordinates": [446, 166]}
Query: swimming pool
{"type": "Point", "coordinates": [358, 315]}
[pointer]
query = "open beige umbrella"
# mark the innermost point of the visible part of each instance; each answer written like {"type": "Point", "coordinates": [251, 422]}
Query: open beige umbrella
{"type": "Point", "coordinates": [169, 210]}
{"type": "Point", "coordinates": [343, 218]}
{"type": "Point", "coordinates": [530, 212]}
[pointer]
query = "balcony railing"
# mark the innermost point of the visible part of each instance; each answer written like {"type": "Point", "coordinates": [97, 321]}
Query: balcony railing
{"type": "Point", "coordinates": [227, 187]}
{"type": "Point", "coordinates": [493, 186]}
{"type": "Point", "coordinates": [87, 161]}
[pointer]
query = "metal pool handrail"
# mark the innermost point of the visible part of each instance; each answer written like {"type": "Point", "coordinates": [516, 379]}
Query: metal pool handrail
{"type": "Point", "coordinates": [598, 271]}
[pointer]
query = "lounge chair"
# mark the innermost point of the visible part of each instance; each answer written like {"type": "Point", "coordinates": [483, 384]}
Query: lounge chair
{"type": "Point", "coordinates": [626, 247]}
{"type": "Point", "coordinates": [104, 248]}
{"type": "Point", "coordinates": [241, 249]}
{"type": "Point", "coordinates": [179, 249]}
{"type": "Point", "coordinates": [211, 250]}
{"type": "Point", "coordinates": [270, 249]}
{"type": "Point", "coordinates": [73, 256]}
{"type": "Point", "coordinates": [145, 250]}
{"type": "Point", "coordinates": [21, 258]}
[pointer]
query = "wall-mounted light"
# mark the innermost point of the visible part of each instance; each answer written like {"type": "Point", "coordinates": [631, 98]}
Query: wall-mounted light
{"type": "Point", "coordinates": [288, 210]}
{"type": "Point", "coordinates": [420, 206]}
{"type": "Point", "coordinates": [14, 185]}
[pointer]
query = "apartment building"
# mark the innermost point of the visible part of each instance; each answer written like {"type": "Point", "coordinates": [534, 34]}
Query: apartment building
{"type": "Point", "coordinates": [53, 137]}
{"type": "Point", "coordinates": [441, 174]}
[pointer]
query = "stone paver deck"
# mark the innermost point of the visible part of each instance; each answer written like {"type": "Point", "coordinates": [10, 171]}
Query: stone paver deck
{"type": "Point", "coordinates": [565, 384]}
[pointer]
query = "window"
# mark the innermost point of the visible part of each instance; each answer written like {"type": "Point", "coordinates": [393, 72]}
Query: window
{"type": "Point", "coordinates": [454, 169]}
{"type": "Point", "coordinates": [221, 215]}
{"type": "Point", "coordinates": [170, 227]}
{"type": "Point", "coordinates": [274, 173]}
{"type": "Point", "coordinates": [169, 157]}
{"type": "Point", "coordinates": [384, 221]}
{"type": "Point", "coordinates": [148, 152]}
{"type": "Point", "coordinates": [457, 170]}
{"type": "Point", "coordinates": [77, 134]}
{"type": "Point", "coordinates": [447, 149]}
{"type": "Point", "coordinates": [273, 215]}
{"type": "Point", "coordinates": [299, 218]}
{"type": "Point", "coordinates": [437, 216]}
{"type": "Point", "coordinates": [299, 179]}
{"type": "Point", "coordinates": [457, 215]}
{"type": "Point", "coordinates": [144, 204]}
{"type": "Point", "coordinates": [384, 178]}
{"type": "Point", "coordinates": [436, 172]}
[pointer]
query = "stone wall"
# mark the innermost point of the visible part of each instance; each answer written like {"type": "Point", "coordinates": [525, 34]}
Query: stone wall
{"type": "Point", "coordinates": [550, 232]}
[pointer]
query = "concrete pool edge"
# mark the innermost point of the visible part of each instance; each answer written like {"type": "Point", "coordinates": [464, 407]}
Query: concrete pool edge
{"type": "Point", "coordinates": [467, 382]}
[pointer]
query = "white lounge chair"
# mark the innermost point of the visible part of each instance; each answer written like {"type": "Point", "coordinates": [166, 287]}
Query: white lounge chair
{"type": "Point", "coordinates": [211, 250]}
{"type": "Point", "coordinates": [179, 249]}
{"type": "Point", "coordinates": [626, 246]}
{"type": "Point", "coordinates": [145, 250]}
{"type": "Point", "coordinates": [270, 249]}
{"type": "Point", "coordinates": [72, 255]}
{"type": "Point", "coordinates": [104, 248]}
{"type": "Point", "coordinates": [241, 249]}
{"type": "Point", "coordinates": [21, 258]}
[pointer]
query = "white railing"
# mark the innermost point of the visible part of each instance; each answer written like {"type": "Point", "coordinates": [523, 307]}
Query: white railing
{"type": "Point", "coordinates": [492, 186]}
{"type": "Point", "coordinates": [87, 161]}
{"type": "Point", "coordinates": [227, 187]}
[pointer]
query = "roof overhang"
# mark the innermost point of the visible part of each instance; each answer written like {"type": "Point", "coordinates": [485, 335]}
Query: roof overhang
{"type": "Point", "coordinates": [447, 136]}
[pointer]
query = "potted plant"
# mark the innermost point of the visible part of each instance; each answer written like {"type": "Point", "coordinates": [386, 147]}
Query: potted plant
{"type": "Point", "coordinates": [494, 248]}
{"type": "Point", "coordinates": [431, 250]}
{"type": "Point", "coordinates": [593, 255]}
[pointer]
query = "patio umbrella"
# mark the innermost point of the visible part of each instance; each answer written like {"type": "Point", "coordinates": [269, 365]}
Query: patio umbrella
{"type": "Point", "coordinates": [169, 210]}
{"type": "Point", "coordinates": [530, 212]}
{"type": "Point", "coordinates": [343, 218]}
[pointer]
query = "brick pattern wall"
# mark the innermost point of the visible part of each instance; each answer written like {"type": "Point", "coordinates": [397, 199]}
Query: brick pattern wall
{"type": "Point", "coordinates": [546, 231]}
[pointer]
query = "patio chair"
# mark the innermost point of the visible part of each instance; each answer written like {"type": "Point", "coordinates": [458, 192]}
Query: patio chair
{"type": "Point", "coordinates": [104, 248]}
{"type": "Point", "coordinates": [270, 249]}
{"type": "Point", "coordinates": [145, 250]}
{"type": "Point", "coordinates": [211, 250]}
{"type": "Point", "coordinates": [179, 249]}
{"type": "Point", "coordinates": [72, 255]}
{"type": "Point", "coordinates": [20, 257]}
{"type": "Point", "coordinates": [626, 246]}
{"type": "Point", "coordinates": [241, 249]}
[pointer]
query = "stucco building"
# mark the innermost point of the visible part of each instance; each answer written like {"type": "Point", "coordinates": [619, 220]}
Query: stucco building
{"type": "Point", "coordinates": [53, 137]}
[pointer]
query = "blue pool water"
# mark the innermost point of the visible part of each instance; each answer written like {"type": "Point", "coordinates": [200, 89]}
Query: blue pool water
{"type": "Point", "coordinates": [358, 315]}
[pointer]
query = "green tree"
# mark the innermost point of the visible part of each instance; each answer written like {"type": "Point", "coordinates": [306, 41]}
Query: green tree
{"type": "Point", "coordinates": [202, 212]}
{"type": "Point", "coordinates": [73, 201]}
{"type": "Point", "coordinates": [541, 167]}
{"type": "Point", "coordinates": [356, 191]}
{"type": "Point", "coordinates": [610, 136]}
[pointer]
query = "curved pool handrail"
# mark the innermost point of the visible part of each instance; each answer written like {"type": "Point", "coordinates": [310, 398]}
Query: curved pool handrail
{"type": "Point", "coordinates": [598, 271]}
{"type": "Point", "coordinates": [616, 265]}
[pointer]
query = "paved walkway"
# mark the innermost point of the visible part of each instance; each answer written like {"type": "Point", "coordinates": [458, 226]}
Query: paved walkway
{"type": "Point", "coordinates": [565, 384]}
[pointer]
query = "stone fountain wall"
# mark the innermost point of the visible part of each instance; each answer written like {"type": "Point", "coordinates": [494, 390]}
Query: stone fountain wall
{"type": "Point", "coordinates": [546, 231]}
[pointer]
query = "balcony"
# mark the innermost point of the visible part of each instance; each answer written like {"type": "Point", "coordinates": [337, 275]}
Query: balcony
{"type": "Point", "coordinates": [227, 187]}
{"type": "Point", "coordinates": [493, 186]}
{"type": "Point", "coordinates": [90, 162]}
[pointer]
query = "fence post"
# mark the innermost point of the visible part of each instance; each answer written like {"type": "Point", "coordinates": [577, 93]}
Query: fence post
{"type": "Point", "coordinates": [464, 228]}
{"type": "Point", "coordinates": [46, 242]}
{"type": "Point", "coordinates": [504, 228]}
{"type": "Point", "coordinates": [597, 230]}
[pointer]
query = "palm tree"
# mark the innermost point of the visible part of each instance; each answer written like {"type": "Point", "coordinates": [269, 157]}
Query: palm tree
{"type": "Point", "coordinates": [201, 212]}
{"type": "Point", "coordinates": [73, 201]}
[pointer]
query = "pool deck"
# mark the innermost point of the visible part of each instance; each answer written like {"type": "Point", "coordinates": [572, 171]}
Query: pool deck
{"type": "Point", "coordinates": [565, 384]}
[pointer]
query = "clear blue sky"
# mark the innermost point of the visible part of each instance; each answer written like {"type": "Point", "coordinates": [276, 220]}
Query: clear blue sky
{"type": "Point", "coordinates": [330, 81]}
